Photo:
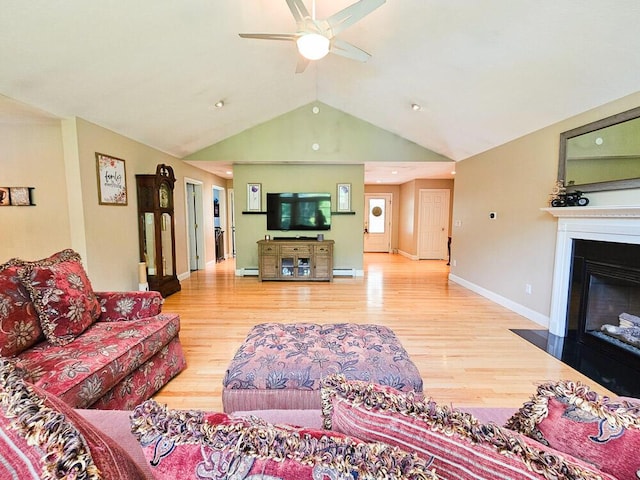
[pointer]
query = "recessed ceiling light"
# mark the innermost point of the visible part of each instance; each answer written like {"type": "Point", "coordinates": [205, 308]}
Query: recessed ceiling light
{"type": "Point", "coordinates": [415, 107]}
{"type": "Point", "coordinates": [394, 172]}
{"type": "Point", "coordinates": [219, 104]}
{"type": "Point", "coordinates": [453, 172]}
{"type": "Point", "coordinates": [378, 181]}
{"type": "Point", "coordinates": [229, 172]}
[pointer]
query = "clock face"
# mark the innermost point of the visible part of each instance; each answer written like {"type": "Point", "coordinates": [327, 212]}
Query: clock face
{"type": "Point", "coordinates": [164, 196]}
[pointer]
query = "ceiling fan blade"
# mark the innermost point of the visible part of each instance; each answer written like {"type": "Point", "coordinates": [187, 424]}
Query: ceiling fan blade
{"type": "Point", "coordinates": [345, 49]}
{"type": "Point", "coordinates": [302, 64]}
{"type": "Point", "coordinates": [298, 10]}
{"type": "Point", "coordinates": [351, 14]}
{"type": "Point", "coordinates": [271, 36]}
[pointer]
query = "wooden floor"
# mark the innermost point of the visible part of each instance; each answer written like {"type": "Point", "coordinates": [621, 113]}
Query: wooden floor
{"type": "Point", "coordinates": [460, 341]}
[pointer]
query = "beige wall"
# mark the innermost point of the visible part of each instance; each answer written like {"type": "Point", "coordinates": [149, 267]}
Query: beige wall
{"type": "Point", "coordinates": [58, 159]}
{"type": "Point", "coordinates": [499, 257]}
{"type": "Point", "coordinates": [410, 211]}
{"type": "Point", "coordinates": [111, 231]}
{"type": "Point", "coordinates": [31, 156]}
{"type": "Point", "coordinates": [346, 230]}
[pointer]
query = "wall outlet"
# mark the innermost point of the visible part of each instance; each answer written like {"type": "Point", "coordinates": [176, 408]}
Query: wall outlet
{"type": "Point", "coordinates": [457, 223]}
{"type": "Point", "coordinates": [527, 289]}
{"type": "Point", "coordinates": [454, 263]}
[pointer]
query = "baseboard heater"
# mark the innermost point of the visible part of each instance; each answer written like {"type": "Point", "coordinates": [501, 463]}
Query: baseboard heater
{"type": "Point", "coordinates": [344, 272]}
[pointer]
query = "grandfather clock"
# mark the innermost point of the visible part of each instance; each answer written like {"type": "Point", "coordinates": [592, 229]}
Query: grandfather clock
{"type": "Point", "coordinates": [157, 229]}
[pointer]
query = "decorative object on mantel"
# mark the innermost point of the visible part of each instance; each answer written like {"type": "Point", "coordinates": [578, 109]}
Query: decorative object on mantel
{"type": "Point", "coordinates": [16, 196]}
{"type": "Point", "coordinates": [560, 197]}
{"type": "Point", "coordinates": [112, 180]}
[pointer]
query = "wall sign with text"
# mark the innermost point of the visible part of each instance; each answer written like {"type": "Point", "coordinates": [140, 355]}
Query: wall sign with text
{"type": "Point", "coordinates": [112, 180]}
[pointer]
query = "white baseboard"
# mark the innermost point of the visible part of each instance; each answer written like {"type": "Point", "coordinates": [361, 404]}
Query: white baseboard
{"type": "Point", "coordinates": [532, 315]}
{"type": "Point", "coordinates": [407, 255]}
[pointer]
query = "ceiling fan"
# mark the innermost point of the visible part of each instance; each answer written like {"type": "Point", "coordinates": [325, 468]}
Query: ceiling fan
{"type": "Point", "coordinates": [315, 38]}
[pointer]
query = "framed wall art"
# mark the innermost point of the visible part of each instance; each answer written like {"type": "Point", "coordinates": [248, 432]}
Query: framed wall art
{"type": "Point", "coordinates": [4, 197]}
{"type": "Point", "coordinates": [20, 196]}
{"type": "Point", "coordinates": [112, 180]}
{"type": "Point", "coordinates": [344, 197]}
{"type": "Point", "coordinates": [254, 197]}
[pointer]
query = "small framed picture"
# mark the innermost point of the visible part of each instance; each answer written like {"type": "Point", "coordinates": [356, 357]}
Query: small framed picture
{"type": "Point", "coordinates": [112, 180]}
{"type": "Point", "coordinates": [254, 197]}
{"type": "Point", "coordinates": [344, 197]}
{"type": "Point", "coordinates": [4, 197]}
{"type": "Point", "coordinates": [20, 196]}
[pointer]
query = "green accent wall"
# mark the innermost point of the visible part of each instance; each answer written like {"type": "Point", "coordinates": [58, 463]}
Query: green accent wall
{"type": "Point", "coordinates": [346, 230]}
{"type": "Point", "coordinates": [309, 149]}
{"type": "Point", "coordinates": [340, 138]}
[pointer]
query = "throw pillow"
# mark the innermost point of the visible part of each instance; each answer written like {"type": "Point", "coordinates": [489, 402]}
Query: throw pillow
{"type": "Point", "coordinates": [19, 324]}
{"type": "Point", "coordinates": [42, 437]}
{"type": "Point", "coordinates": [193, 444]}
{"type": "Point", "coordinates": [62, 295]}
{"type": "Point", "coordinates": [571, 417]}
{"type": "Point", "coordinates": [454, 442]}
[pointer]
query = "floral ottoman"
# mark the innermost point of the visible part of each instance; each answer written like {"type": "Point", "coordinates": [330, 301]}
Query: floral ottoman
{"type": "Point", "coordinates": [279, 366]}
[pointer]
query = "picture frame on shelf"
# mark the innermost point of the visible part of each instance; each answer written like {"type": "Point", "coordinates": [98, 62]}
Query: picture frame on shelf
{"type": "Point", "coordinates": [4, 197]}
{"type": "Point", "coordinates": [112, 180]}
{"type": "Point", "coordinates": [20, 196]}
{"type": "Point", "coordinates": [254, 197]}
{"type": "Point", "coordinates": [344, 197]}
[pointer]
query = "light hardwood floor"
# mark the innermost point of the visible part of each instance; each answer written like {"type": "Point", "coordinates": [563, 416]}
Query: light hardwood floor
{"type": "Point", "coordinates": [460, 341]}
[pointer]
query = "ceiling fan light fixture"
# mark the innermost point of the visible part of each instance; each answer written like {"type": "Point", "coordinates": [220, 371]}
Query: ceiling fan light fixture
{"type": "Point", "coordinates": [313, 46]}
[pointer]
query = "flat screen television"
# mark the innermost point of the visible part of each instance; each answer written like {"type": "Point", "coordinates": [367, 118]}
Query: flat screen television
{"type": "Point", "coordinates": [298, 211]}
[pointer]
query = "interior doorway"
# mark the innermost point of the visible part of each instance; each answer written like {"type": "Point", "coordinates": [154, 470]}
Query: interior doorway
{"type": "Point", "coordinates": [195, 219]}
{"type": "Point", "coordinates": [433, 224]}
{"type": "Point", "coordinates": [219, 222]}
{"type": "Point", "coordinates": [377, 222]}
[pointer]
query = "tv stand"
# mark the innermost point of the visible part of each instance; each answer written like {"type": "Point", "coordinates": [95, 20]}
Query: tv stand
{"type": "Point", "coordinates": [295, 259]}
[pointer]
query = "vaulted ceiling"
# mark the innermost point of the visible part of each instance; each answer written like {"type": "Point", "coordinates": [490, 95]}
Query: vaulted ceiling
{"type": "Point", "coordinates": [483, 71]}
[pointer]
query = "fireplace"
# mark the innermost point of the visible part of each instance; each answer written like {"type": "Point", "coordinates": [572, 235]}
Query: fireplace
{"type": "Point", "coordinates": [596, 294]}
{"type": "Point", "coordinates": [604, 299]}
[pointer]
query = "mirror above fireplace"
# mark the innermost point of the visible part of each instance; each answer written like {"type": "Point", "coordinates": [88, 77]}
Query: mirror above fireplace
{"type": "Point", "coordinates": [603, 155]}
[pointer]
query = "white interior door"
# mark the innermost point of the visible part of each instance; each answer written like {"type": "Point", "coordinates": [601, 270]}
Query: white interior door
{"type": "Point", "coordinates": [377, 222]}
{"type": "Point", "coordinates": [433, 226]}
{"type": "Point", "coordinates": [195, 218]}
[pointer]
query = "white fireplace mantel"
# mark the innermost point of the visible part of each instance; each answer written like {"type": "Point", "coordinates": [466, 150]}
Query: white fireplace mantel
{"type": "Point", "coordinates": [617, 224]}
{"type": "Point", "coordinates": [623, 211]}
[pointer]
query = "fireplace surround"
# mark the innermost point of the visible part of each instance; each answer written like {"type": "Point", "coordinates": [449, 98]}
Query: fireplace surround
{"type": "Point", "coordinates": [614, 224]}
{"type": "Point", "coordinates": [596, 283]}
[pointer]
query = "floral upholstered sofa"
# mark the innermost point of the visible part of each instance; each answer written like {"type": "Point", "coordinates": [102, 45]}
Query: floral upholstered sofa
{"type": "Point", "coordinates": [106, 350]}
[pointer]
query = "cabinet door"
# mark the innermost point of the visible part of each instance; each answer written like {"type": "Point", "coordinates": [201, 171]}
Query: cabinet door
{"type": "Point", "coordinates": [287, 266]}
{"type": "Point", "coordinates": [303, 267]}
{"type": "Point", "coordinates": [269, 266]}
{"type": "Point", "coordinates": [268, 261]}
{"type": "Point", "coordinates": [323, 261]}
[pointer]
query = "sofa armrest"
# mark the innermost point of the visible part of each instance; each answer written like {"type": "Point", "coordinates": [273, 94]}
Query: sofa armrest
{"type": "Point", "coordinates": [118, 306]}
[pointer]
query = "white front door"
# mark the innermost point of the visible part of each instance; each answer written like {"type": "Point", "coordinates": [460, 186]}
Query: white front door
{"type": "Point", "coordinates": [377, 222]}
{"type": "Point", "coordinates": [433, 226]}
